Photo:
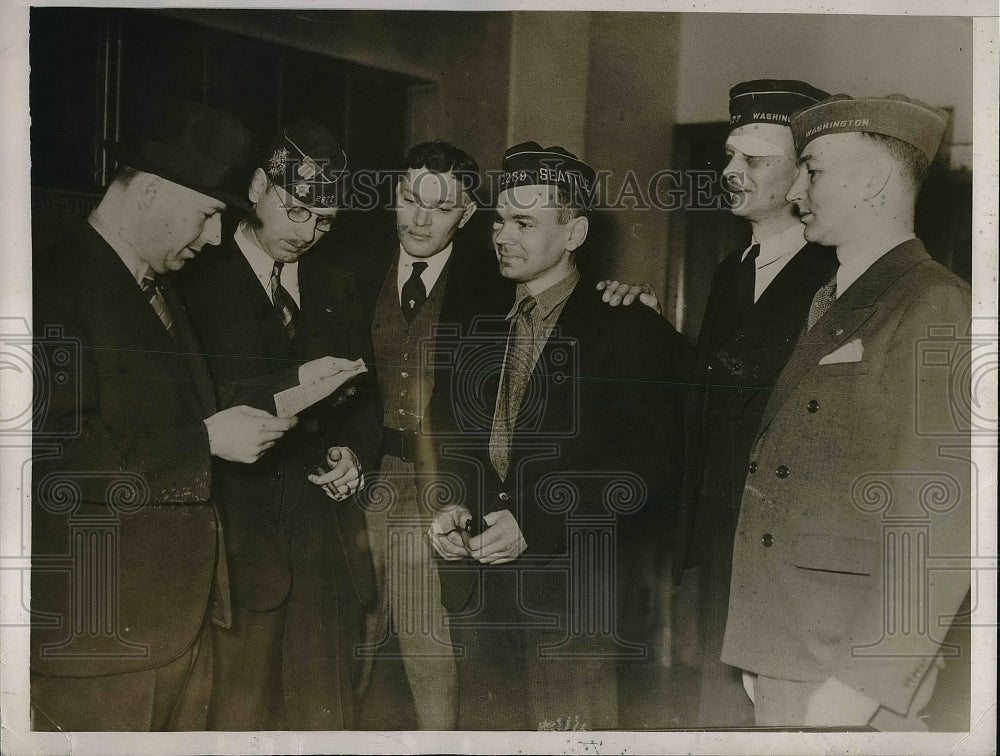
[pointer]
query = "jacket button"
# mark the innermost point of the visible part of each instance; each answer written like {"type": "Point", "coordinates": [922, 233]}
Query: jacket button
{"type": "Point", "coordinates": [404, 374]}
{"type": "Point", "coordinates": [504, 496]}
{"type": "Point", "coordinates": [767, 539]}
{"type": "Point", "coordinates": [781, 472]}
{"type": "Point", "coordinates": [813, 406]}
{"type": "Point", "coordinates": [753, 467]}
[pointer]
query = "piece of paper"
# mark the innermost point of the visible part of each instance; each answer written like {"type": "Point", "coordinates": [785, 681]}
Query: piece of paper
{"type": "Point", "coordinates": [293, 400]}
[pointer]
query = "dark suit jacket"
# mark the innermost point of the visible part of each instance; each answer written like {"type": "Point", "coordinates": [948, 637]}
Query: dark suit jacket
{"type": "Point", "coordinates": [598, 434]}
{"type": "Point", "coordinates": [271, 511]}
{"type": "Point", "coordinates": [121, 452]}
{"type": "Point", "coordinates": [848, 560]}
{"type": "Point", "coordinates": [772, 329]}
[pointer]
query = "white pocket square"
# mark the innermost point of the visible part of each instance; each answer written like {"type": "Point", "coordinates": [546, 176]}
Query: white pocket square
{"type": "Point", "coordinates": [852, 351]}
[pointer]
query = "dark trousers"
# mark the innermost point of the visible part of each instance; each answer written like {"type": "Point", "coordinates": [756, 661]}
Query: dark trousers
{"type": "Point", "coordinates": [174, 696]}
{"type": "Point", "coordinates": [511, 678]}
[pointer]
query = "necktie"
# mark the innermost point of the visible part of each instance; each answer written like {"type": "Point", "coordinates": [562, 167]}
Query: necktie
{"type": "Point", "coordinates": [413, 293]}
{"type": "Point", "coordinates": [287, 310]}
{"type": "Point", "coordinates": [151, 288]}
{"type": "Point", "coordinates": [822, 301]}
{"type": "Point", "coordinates": [746, 277]}
{"type": "Point", "coordinates": [518, 364]}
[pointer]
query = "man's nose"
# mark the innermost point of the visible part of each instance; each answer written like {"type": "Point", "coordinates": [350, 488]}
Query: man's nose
{"type": "Point", "coordinates": [796, 191]}
{"type": "Point", "coordinates": [422, 217]}
{"type": "Point", "coordinates": [212, 230]}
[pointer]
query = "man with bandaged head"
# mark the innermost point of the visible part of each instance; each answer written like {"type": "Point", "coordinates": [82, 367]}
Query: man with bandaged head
{"type": "Point", "coordinates": [847, 558]}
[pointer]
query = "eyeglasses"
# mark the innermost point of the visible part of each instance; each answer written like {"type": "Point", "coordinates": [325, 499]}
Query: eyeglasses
{"type": "Point", "coordinates": [302, 214]}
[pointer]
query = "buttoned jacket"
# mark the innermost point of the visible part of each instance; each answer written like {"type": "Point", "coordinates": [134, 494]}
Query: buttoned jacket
{"type": "Point", "coordinates": [852, 544]}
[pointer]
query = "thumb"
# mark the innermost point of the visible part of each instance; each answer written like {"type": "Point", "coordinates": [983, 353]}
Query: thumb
{"type": "Point", "coordinates": [253, 411]}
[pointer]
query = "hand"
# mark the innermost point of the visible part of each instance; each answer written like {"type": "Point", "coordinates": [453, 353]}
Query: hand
{"type": "Point", "coordinates": [834, 704]}
{"type": "Point", "coordinates": [243, 434]}
{"type": "Point", "coordinates": [448, 535]}
{"type": "Point", "coordinates": [616, 293]}
{"type": "Point", "coordinates": [501, 542]}
{"type": "Point", "coordinates": [325, 367]}
{"type": "Point", "coordinates": [344, 476]}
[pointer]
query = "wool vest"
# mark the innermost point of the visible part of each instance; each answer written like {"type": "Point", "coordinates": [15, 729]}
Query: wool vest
{"type": "Point", "coordinates": [402, 350]}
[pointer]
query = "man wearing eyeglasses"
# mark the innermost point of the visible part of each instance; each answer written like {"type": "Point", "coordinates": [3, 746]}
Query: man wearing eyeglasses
{"type": "Point", "coordinates": [269, 317]}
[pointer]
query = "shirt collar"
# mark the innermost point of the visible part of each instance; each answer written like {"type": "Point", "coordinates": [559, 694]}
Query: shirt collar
{"type": "Point", "coordinates": [548, 299]}
{"type": "Point", "coordinates": [858, 265]}
{"type": "Point", "coordinates": [261, 262]}
{"type": "Point", "coordinates": [780, 245]}
{"type": "Point", "coordinates": [138, 267]}
{"type": "Point", "coordinates": [435, 263]}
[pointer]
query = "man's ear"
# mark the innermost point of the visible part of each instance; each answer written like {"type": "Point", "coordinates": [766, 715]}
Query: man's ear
{"type": "Point", "coordinates": [258, 185]}
{"type": "Point", "coordinates": [879, 168]}
{"type": "Point", "coordinates": [579, 227]}
{"type": "Point", "coordinates": [470, 209]}
{"type": "Point", "coordinates": [145, 187]}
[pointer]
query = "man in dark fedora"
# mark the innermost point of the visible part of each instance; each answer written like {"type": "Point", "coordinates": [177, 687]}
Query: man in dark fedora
{"type": "Point", "coordinates": [128, 574]}
{"type": "Point", "coordinates": [559, 434]}
{"type": "Point", "coordinates": [272, 313]}
{"type": "Point", "coordinates": [855, 516]}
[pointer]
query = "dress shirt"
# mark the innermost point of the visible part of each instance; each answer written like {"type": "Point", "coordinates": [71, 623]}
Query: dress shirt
{"type": "Point", "coordinates": [550, 303]}
{"type": "Point", "coordinates": [435, 264]}
{"type": "Point", "coordinates": [262, 264]}
{"type": "Point", "coordinates": [138, 267]}
{"type": "Point", "coordinates": [775, 253]}
{"type": "Point", "coordinates": [853, 269]}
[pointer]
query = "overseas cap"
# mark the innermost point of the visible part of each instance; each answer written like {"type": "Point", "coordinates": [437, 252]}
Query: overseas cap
{"type": "Point", "coordinates": [895, 115]}
{"type": "Point", "coordinates": [770, 101]}
{"type": "Point", "coordinates": [308, 162]}
{"type": "Point", "coordinates": [530, 164]}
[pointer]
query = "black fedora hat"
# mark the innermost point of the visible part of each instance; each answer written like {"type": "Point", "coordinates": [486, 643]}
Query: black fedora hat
{"type": "Point", "coordinates": [190, 144]}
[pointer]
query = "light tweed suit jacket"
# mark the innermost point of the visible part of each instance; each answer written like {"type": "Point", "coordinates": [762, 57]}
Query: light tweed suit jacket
{"type": "Point", "coordinates": [851, 553]}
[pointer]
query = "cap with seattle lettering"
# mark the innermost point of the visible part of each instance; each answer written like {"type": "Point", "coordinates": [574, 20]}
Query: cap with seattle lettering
{"type": "Point", "coordinates": [530, 164]}
{"type": "Point", "coordinates": [895, 115]}
{"type": "Point", "coordinates": [770, 101]}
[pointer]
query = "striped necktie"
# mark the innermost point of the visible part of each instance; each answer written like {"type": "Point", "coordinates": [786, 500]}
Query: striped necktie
{"type": "Point", "coordinates": [151, 288]}
{"type": "Point", "coordinates": [822, 301]}
{"type": "Point", "coordinates": [285, 306]}
{"type": "Point", "coordinates": [518, 364]}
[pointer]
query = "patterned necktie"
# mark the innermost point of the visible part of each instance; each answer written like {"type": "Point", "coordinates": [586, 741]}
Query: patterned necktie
{"type": "Point", "coordinates": [151, 288]}
{"type": "Point", "coordinates": [518, 364]}
{"type": "Point", "coordinates": [822, 301]}
{"type": "Point", "coordinates": [413, 293]}
{"type": "Point", "coordinates": [287, 310]}
{"type": "Point", "coordinates": [746, 277]}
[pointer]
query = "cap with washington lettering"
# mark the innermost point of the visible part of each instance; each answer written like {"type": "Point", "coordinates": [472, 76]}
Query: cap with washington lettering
{"type": "Point", "coordinates": [308, 162]}
{"type": "Point", "coordinates": [895, 115]}
{"type": "Point", "coordinates": [530, 164]}
{"type": "Point", "coordinates": [770, 101]}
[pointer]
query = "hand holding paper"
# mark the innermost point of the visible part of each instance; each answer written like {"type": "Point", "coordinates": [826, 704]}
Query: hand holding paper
{"type": "Point", "coordinates": [327, 374]}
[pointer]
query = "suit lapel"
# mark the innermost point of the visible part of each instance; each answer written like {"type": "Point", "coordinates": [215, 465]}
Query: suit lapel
{"type": "Point", "coordinates": [848, 314]}
{"type": "Point", "coordinates": [187, 345]}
